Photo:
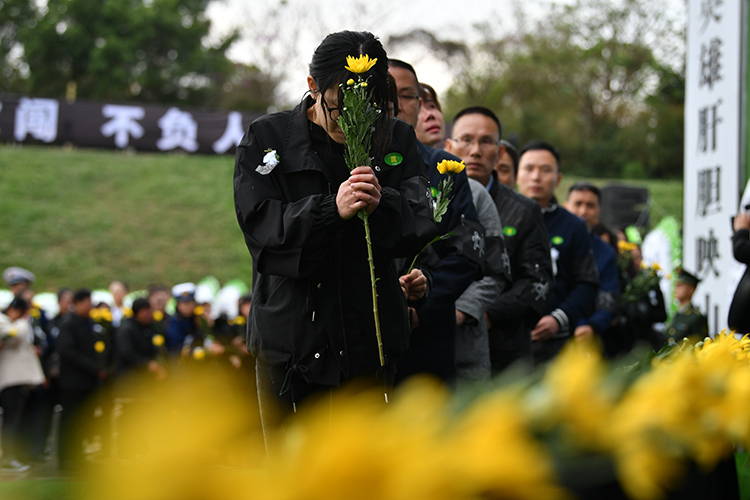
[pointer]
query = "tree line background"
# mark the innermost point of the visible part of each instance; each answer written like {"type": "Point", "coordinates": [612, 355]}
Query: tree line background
{"type": "Point", "coordinates": [604, 80]}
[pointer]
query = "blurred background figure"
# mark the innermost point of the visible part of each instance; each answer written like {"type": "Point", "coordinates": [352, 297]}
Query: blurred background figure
{"type": "Point", "coordinates": [18, 279]}
{"type": "Point", "coordinates": [119, 290]}
{"type": "Point", "coordinates": [688, 320]}
{"type": "Point", "coordinates": [19, 369]}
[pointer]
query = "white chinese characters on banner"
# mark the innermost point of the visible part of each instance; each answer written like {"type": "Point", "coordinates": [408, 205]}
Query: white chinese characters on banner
{"type": "Point", "coordinates": [232, 135]}
{"type": "Point", "coordinates": [178, 130]}
{"type": "Point", "coordinates": [123, 123]}
{"type": "Point", "coordinates": [712, 149]}
{"type": "Point", "coordinates": [37, 118]}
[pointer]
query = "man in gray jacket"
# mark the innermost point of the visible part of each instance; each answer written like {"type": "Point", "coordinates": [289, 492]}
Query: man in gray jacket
{"type": "Point", "coordinates": [511, 316]}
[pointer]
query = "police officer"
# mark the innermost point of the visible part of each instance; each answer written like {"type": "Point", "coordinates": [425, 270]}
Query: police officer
{"type": "Point", "coordinates": [688, 320]}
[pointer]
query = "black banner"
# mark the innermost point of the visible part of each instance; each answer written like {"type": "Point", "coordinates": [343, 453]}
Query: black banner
{"type": "Point", "coordinates": [143, 127]}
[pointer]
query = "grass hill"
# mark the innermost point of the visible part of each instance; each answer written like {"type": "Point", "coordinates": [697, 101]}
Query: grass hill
{"type": "Point", "coordinates": [85, 217]}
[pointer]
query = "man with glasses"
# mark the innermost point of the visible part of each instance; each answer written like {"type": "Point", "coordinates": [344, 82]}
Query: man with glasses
{"type": "Point", "coordinates": [432, 347]}
{"type": "Point", "coordinates": [476, 140]}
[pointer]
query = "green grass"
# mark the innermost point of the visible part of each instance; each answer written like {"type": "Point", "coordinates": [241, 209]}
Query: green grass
{"type": "Point", "coordinates": [666, 195]}
{"type": "Point", "coordinates": [85, 217]}
{"type": "Point", "coordinates": [42, 489]}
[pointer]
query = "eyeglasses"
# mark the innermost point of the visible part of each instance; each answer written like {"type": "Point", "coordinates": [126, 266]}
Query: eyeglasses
{"type": "Point", "coordinates": [466, 141]}
{"type": "Point", "coordinates": [408, 97]}
{"type": "Point", "coordinates": [334, 113]}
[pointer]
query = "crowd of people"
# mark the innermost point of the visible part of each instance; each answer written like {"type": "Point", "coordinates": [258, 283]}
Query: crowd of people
{"type": "Point", "coordinates": [514, 276]}
{"type": "Point", "coordinates": [514, 273]}
{"type": "Point", "coordinates": [90, 357]}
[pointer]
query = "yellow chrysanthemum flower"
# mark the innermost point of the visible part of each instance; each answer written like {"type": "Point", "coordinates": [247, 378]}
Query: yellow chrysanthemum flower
{"type": "Point", "coordinates": [626, 246]}
{"type": "Point", "coordinates": [99, 346]}
{"type": "Point", "coordinates": [158, 315]}
{"type": "Point", "coordinates": [198, 311]}
{"type": "Point", "coordinates": [656, 267]}
{"type": "Point", "coordinates": [240, 320]}
{"type": "Point", "coordinates": [350, 81]}
{"type": "Point", "coordinates": [360, 64]}
{"type": "Point", "coordinates": [12, 332]}
{"type": "Point", "coordinates": [158, 340]}
{"type": "Point", "coordinates": [128, 312]}
{"type": "Point", "coordinates": [34, 311]}
{"type": "Point", "coordinates": [451, 166]}
{"type": "Point", "coordinates": [95, 314]}
{"type": "Point", "coordinates": [199, 354]}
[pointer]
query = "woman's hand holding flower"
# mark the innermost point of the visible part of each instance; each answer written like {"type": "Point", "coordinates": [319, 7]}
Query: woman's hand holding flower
{"type": "Point", "coordinates": [360, 191]}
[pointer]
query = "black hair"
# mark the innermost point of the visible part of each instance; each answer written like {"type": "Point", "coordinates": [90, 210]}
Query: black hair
{"type": "Point", "coordinates": [81, 295]}
{"type": "Point", "coordinates": [510, 148]}
{"type": "Point", "coordinates": [392, 96]}
{"type": "Point", "coordinates": [18, 304]}
{"type": "Point", "coordinates": [586, 186]}
{"type": "Point", "coordinates": [327, 67]}
{"type": "Point", "coordinates": [138, 304]}
{"type": "Point", "coordinates": [63, 291]}
{"type": "Point", "coordinates": [428, 94]}
{"type": "Point", "coordinates": [398, 63]}
{"type": "Point", "coordinates": [481, 110]}
{"type": "Point", "coordinates": [542, 145]}
{"type": "Point", "coordinates": [600, 230]}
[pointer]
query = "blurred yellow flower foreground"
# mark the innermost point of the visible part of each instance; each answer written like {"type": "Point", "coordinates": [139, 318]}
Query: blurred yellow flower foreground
{"type": "Point", "coordinates": [199, 438]}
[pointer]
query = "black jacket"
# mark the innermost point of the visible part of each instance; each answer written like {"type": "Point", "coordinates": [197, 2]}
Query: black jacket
{"type": "Point", "coordinates": [462, 256]}
{"type": "Point", "coordinates": [311, 311]}
{"type": "Point", "coordinates": [739, 312]}
{"type": "Point", "coordinates": [79, 362]}
{"type": "Point", "coordinates": [135, 346]}
{"type": "Point", "coordinates": [519, 308]}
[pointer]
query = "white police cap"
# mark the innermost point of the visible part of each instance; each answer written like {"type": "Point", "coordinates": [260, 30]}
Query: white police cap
{"type": "Point", "coordinates": [15, 275]}
{"type": "Point", "coordinates": [184, 291]}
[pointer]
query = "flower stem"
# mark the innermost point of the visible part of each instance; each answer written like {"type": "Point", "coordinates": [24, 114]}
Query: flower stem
{"type": "Point", "coordinates": [365, 219]}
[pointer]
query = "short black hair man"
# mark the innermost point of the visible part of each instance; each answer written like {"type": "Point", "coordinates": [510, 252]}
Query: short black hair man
{"type": "Point", "coordinates": [573, 264]}
{"type": "Point", "coordinates": [584, 200]}
{"type": "Point", "coordinates": [476, 140]}
{"type": "Point", "coordinates": [432, 346]}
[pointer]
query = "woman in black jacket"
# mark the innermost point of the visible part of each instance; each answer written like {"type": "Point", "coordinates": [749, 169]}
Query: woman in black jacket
{"type": "Point", "coordinates": [311, 318]}
{"type": "Point", "coordinates": [739, 312]}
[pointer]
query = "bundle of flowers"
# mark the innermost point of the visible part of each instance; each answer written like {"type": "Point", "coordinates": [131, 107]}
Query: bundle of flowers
{"type": "Point", "coordinates": [548, 436]}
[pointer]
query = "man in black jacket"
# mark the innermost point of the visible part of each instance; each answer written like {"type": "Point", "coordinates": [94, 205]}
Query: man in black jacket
{"type": "Point", "coordinates": [476, 140]}
{"type": "Point", "coordinates": [433, 341]}
{"type": "Point", "coordinates": [576, 278]}
{"type": "Point", "coordinates": [84, 355]}
{"type": "Point", "coordinates": [136, 346]}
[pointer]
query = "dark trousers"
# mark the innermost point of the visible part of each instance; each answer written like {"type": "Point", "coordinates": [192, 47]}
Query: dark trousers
{"type": "Point", "coordinates": [299, 394]}
{"type": "Point", "coordinates": [76, 418]}
{"type": "Point", "coordinates": [36, 423]}
{"type": "Point", "coordinates": [12, 400]}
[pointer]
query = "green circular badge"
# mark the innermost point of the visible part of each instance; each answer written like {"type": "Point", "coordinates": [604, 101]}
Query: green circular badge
{"type": "Point", "coordinates": [393, 159]}
{"type": "Point", "coordinates": [557, 240]}
{"type": "Point", "coordinates": [434, 191]}
{"type": "Point", "coordinates": [509, 231]}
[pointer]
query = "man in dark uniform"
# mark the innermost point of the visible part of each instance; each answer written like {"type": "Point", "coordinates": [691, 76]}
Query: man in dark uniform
{"type": "Point", "coordinates": [688, 320]}
{"type": "Point", "coordinates": [573, 265]}
{"type": "Point", "coordinates": [84, 362]}
{"type": "Point", "coordinates": [432, 347]}
{"type": "Point", "coordinates": [476, 140]}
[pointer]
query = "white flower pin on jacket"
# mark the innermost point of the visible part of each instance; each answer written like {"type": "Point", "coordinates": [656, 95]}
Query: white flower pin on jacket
{"type": "Point", "coordinates": [269, 162]}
